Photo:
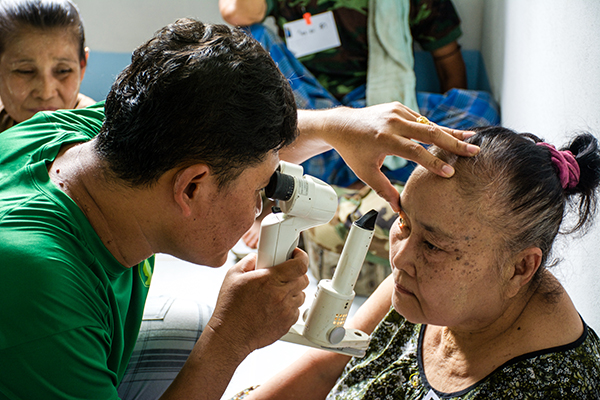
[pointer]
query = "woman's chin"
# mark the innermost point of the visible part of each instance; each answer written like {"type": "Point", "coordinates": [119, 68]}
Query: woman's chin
{"type": "Point", "coordinates": [408, 309]}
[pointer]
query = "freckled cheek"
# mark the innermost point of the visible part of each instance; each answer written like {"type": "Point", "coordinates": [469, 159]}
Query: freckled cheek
{"type": "Point", "coordinates": [456, 282]}
{"type": "Point", "coordinates": [471, 270]}
{"type": "Point", "coordinates": [433, 273]}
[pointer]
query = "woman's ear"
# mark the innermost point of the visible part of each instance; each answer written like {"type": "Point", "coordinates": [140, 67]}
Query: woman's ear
{"type": "Point", "coordinates": [83, 63]}
{"type": "Point", "coordinates": [524, 267]}
{"type": "Point", "coordinates": [189, 185]}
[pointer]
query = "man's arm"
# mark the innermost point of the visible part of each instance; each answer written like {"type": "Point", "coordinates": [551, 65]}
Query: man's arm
{"type": "Point", "coordinates": [450, 67]}
{"type": "Point", "coordinates": [365, 136]}
{"type": "Point", "coordinates": [243, 12]}
{"type": "Point", "coordinates": [254, 309]}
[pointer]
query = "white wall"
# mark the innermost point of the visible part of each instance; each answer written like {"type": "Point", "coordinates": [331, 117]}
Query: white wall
{"type": "Point", "coordinates": [493, 43]}
{"type": "Point", "coordinates": [122, 25]}
{"type": "Point", "coordinates": [543, 57]}
{"type": "Point", "coordinates": [471, 16]}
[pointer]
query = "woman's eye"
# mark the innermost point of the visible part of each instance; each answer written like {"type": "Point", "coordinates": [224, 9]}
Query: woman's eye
{"type": "Point", "coordinates": [403, 229]}
{"type": "Point", "coordinates": [24, 71]}
{"type": "Point", "coordinates": [431, 246]}
{"type": "Point", "coordinates": [402, 224]}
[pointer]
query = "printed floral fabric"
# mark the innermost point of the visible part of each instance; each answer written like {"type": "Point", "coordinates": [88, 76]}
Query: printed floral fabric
{"type": "Point", "coordinates": [391, 370]}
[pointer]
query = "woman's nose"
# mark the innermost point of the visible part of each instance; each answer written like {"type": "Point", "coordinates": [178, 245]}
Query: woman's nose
{"type": "Point", "coordinates": [46, 87]}
{"type": "Point", "coordinates": [402, 256]}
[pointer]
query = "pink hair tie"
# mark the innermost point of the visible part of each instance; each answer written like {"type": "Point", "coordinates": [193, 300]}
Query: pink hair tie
{"type": "Point", "coordinates": [565, 165]}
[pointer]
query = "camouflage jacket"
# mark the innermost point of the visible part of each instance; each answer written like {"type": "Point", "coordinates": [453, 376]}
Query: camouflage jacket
{"type": "Point", "coordinates": [434, 23]}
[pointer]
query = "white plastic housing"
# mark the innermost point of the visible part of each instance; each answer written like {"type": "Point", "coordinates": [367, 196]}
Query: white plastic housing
{"type": "Point", "coordinates": [351, 260]}
{"type": "Point", "coordinates": [328, 312]}
{"type": "Point", "coordinates": [313, 203]}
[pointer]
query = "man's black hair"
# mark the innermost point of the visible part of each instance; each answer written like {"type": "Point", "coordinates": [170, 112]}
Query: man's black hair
{"type": "Point", "coordinates": [195, 93]}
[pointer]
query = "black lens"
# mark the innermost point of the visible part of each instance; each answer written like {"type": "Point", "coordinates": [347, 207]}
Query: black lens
{"type": "Point", "coordinates": [280, 187]}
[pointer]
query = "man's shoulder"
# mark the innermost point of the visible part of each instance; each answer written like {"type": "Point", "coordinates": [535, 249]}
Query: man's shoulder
{"type": "Point", "coordinates": [42, 136]}
{"type": "Point", "coordinates": [85, 121]}
{"type": "Point", "coordinates": [35, 228]}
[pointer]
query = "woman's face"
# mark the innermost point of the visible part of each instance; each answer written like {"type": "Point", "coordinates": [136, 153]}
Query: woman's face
{"type": "Point", "coordinates": [40, 70]}
{"type": "Point", "coordinates": [444, 260]}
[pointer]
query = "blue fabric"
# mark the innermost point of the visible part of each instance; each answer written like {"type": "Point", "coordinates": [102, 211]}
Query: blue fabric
{"type": "Point", "coordinates": [458, 109]}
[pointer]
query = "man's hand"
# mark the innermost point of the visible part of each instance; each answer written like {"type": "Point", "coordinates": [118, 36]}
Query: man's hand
{"type": "Point", "coordinates": [254, 309]}
{"type": "Point", "coordinates": [365, 136]}
{"type": "Point", "coordinates": [257, 307]}
{"type": "Point", "coordinates": [369, 134]}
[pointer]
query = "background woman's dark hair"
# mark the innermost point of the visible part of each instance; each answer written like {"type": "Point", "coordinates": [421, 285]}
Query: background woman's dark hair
{"type": "Point", "coordinates": [196, 93]}
{"type": "Point", "coordinates": [16, 15]}
{"type": "Point", "coordinates": [525, 200]}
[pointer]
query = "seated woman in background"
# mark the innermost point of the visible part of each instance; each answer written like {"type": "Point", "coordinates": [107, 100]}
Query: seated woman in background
{"type": "Point", "coordinates": [476, 313]}
{"type": "Point", "coordinates": [42, 58]}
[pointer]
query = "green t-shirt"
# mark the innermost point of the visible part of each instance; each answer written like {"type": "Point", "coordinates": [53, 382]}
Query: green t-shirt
{"type": "Point", "coordinates": [433, 24]}
{"type": "Point", "coordinates": [392, 369]}
{"type": "Point", "coordinates": [70, 312]}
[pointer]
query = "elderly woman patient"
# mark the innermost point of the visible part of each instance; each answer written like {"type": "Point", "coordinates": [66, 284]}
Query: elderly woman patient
{"type": "Point", "coordinates": [476, 313]}
{"type": "Point", "coordinates": [42, 58]}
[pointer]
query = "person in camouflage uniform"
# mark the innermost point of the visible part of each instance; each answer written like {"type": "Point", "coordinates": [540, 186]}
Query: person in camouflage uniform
{"type": "Point", "coordinates": [337, 76]}
{"type": "Point", "coordinates": [434, 24]}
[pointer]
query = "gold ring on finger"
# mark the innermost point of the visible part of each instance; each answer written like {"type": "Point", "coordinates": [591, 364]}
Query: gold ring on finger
{"type": "Point", "coordinates": [423, 120]}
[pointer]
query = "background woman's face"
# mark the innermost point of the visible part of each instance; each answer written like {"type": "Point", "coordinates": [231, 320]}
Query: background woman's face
{"type": "Point", "coordinates": [40, 70]}
{"type": "Point", "coordinates": [444, 259]}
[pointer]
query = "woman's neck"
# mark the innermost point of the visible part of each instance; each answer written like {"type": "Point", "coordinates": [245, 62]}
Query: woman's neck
{"type": "Point", "coordinates": [455, 359]}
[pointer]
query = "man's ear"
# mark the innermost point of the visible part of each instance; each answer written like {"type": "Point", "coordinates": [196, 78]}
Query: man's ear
{"type": "Point", "coordinates": [188, 185]}
{"type": "Point", "coordinates": [524, 267]}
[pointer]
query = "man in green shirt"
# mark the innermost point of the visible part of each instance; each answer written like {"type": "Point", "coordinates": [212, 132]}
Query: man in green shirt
{"type": "Point", "coordinates": [173, 162]}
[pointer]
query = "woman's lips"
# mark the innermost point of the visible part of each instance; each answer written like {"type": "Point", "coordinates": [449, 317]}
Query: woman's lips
{"type": "Point", "coordinates": [403, 290]}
